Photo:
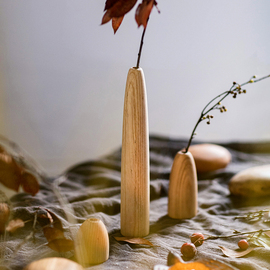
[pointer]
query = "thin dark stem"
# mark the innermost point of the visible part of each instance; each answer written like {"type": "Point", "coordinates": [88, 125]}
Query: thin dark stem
{"type": "Point", "coordinates": [192, 134]}
{"type": "Point", "coordinates": [235, 234]}
{"type": "Point", "coordinates": [140, 50]}
{"type": "Point", "coordinates": [234, 88]}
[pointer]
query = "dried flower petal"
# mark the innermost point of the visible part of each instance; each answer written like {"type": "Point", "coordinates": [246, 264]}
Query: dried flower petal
{"type": "Point", "coordinates": [61, 245]}
{"type": "Point", "coordinates": [137, 241]}
{"type": "Point", "coordinates": [235, 254]}
{"type": "Point", "coordinates": [52, 233]}
{"type": "Point", "coordinates": [9, 172]}
{"type": "Point", "coordinates": [29, 183]}
{"type": "Point", "coordinates": [143, 12]}
{"type": "Point", "coordinates": [116, 22]}
{"type": "Point", "coordinates": [14, 225]}
{"type": "Point", "coordinates": [116, 9]}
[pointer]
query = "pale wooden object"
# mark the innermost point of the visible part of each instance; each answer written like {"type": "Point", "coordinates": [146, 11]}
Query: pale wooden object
{"type": "Point", "coordinates": [53, 264]}
{"type": "Point", "coordinates": [92, 243]}
{"type": "Point", "coordinates": [183, 187]}
{"type": "Point", "coordinates": [135, 194]}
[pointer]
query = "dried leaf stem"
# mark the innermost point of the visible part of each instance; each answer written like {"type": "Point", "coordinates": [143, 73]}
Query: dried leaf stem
{"type": "Point", "coordinates": [140, 49]}
{"type": "Point", "coordinates": [237, 233]}
{"type": "Point", "coordinates": [28, 237]}
{"type": "Point", "coordinates": [215, 103]}
{"type": "Point", "coordinates": [257, 215]}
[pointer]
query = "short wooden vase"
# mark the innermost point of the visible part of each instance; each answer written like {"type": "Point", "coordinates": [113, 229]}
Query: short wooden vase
{"type": "Point", "coordinates": [183, 188]}
{"type": "Point", "coordinates": [135, 192]}
{"type": "Point", "coordinates": [92, 243]}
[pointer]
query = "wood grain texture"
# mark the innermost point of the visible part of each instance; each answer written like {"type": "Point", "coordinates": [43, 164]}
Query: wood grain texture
{"type": "Point", "coordinates": [135, 192]}
{"type": "Point", "coordinates": [92, 243]}
{"type": "Point", "coordinates": [183, 188]}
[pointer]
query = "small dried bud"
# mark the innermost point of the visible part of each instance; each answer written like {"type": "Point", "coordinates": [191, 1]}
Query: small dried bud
{"type": "Point", "coordinates": [235, 95]}
{"type": "Point", "coordinates": [251, 81]}
{"type": "Point", "coordinates": [225, 109]}
{"type": "Point", "coordinates": [244, 91]}
{"type": "Point", "coordinates": [211, 116]}
{"type": "Point", "coordinates": [234, 83]}
{"type": "Point", "coordinates": [208, 122]}
{"type": "Point", "coordinates": [238, 87]}
{"type": "Point", "coordinates": [254, 76]}
{"type": "Point", "coordinates": [208, 116]}
{"type": "Point", "coordinates": [204, 118]}
{"type": "Point", "coordinates": [239, 92]}
{"type": "Point", "coordinates": [221, 110]}
{"type": "Point", "coordinates": [219, 103]}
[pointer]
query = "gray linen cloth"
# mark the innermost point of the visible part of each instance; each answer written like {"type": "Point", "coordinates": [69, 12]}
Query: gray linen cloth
{"type": "Point", "coordinates": [93, 190]}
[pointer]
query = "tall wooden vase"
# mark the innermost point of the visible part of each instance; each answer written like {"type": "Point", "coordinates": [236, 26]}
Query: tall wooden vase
{"type": "Point", "coordinates": [135, 191]}
{"type": "Point", "coordinates": [183, 187]}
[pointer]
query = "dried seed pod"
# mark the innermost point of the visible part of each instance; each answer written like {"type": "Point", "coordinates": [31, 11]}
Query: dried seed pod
{"type": "Point", "coordinates": [53, 264]}
{"type": "Point", "coordinates": [92, 243]}
{"type": "Point", "coordinates": [4, 215]}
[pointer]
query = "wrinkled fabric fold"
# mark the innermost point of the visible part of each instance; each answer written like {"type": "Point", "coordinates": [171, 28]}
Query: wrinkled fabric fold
{"type": "Point", "coordinates": [93, 190]}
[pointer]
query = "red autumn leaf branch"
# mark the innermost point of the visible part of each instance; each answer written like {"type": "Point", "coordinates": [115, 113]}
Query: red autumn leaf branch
{"type": "Point", "coordinates": [115, 10]}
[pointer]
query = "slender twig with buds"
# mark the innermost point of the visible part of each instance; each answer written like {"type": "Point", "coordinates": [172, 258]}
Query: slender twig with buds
{"type": "Point", "coordinates": [236, 233]}
{"type": "Point", "coordinates": [215, 104]}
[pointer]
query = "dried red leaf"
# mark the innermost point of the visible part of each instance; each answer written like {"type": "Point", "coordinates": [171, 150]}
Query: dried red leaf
{"type": "Point", "coordinates": [52, 233]}
{"type": "Point", "coordinates": [29, 183]}
{"type": "Point", "coordinates": [14, 225]}
{"type": "Point", "coordinates": [109, 4]}
{"type": "Point", "coordinates": [119, 8]}
{"type": "Point", "coordinates": [143, 12]}
{"type": "Point", "coordinates": [136, 241]}
{"type": "Point", "coordinates": [116, 22]}
{"type": "Point", "coordinates": [9, 172]}
{"type": "Point", "coordinates": [61, 245]}
{"type": "Point", "coordinates": [106, 18]}
{"type": "Point", "coordinates": [116, 10]}
{"type": "Point", "coordinates": [234, 253]}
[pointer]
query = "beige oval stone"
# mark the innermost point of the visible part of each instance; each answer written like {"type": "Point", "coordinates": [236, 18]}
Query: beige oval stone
{"type": "Point", "coordinates": [252, 182]}
{"type": "Point", "coordinates": [210, 157]}
{"type": "Point", "coordinates": [53, 264]}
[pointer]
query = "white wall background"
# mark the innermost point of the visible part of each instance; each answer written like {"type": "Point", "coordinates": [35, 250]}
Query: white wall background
{"type": "Point", "coordinates": [62, 75]}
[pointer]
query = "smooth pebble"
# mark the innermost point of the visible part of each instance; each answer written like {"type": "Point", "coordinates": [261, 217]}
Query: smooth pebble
{"type": "Point", "coordinates": [210, 157]}
{"type": "Point", "coordinates": [252, 182]}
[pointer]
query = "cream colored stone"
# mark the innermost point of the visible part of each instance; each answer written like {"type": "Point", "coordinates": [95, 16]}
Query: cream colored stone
{"type": "Point", "coordinates": [252, 182]}
{"type": "Point", "coordinates": [53, 264]}
{"type": "Point", "coordinates": [210, 157]}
